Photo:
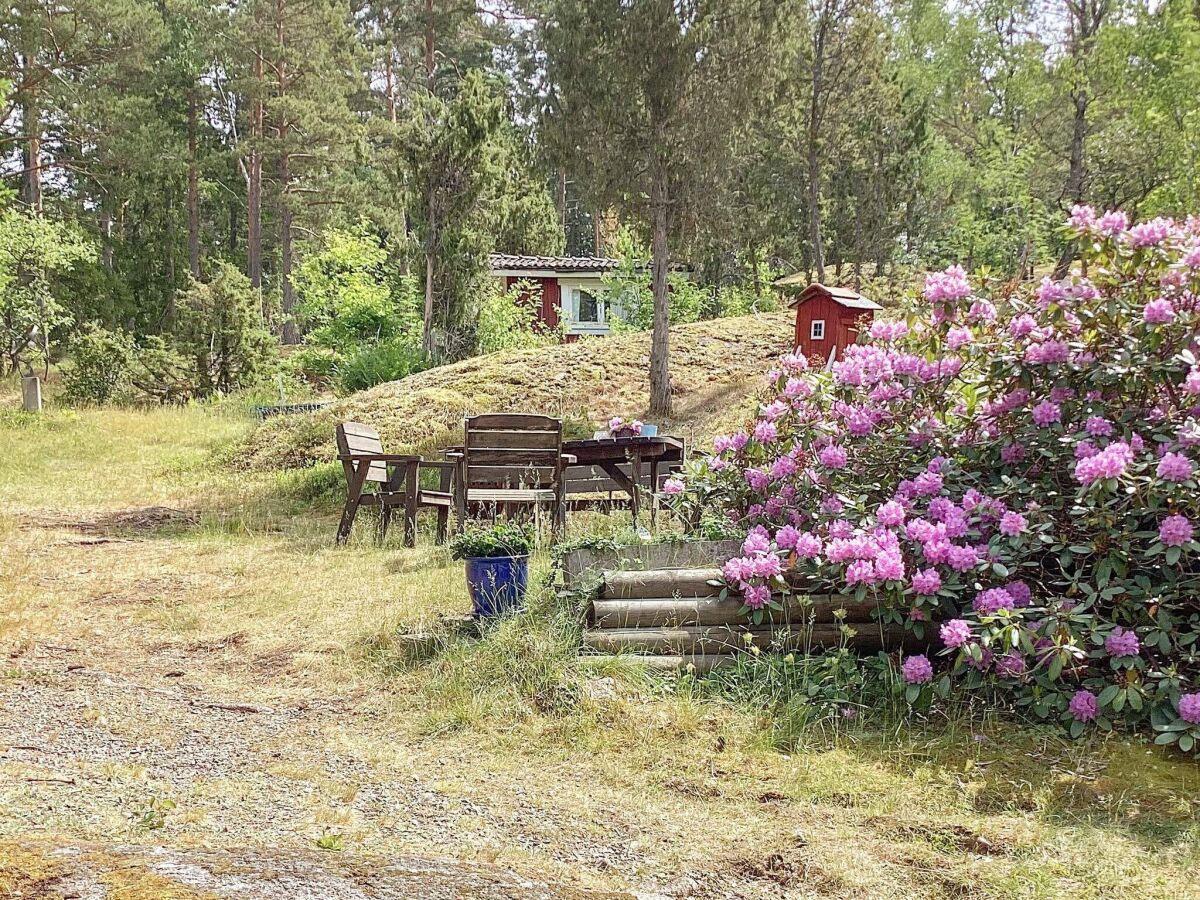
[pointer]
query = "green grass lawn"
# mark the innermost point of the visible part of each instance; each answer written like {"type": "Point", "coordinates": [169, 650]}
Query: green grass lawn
{"type": "Point", "coordinates": [130, 549]}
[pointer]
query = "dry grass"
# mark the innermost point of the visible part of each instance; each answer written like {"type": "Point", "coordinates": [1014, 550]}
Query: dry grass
{"type": "Point", "coordinates": [716, 369]}
{"type": "Point", "coordinates": [230, 660]}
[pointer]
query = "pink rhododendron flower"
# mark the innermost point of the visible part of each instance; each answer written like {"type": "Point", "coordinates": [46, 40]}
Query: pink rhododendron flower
{"type": "Point", "coordinates": [1122, 643]}
{"type": "Point", "coordinates": [808, 545]}
{"type": "Point", "coordinates": [889, 566]}
{"type": "Point", "coordinates": [1175, 531]}
{"type": "Point", "coordinates": [757, 541]}
{"type": "Point", "coordinates": [1020, 592]}
{"type": "Point", "coordinates": [1110, 462]}
{"type": "Point", "coordinates": [1010, 665]}
{"type": "Point", "coordinates": [1150, 234]}
{"type": "Point", "coordinates": [959, 336]}
{"type": "Point", "coordinates": [786, 537]}
{"type": "Point", "coordinates": [1083, 218]}
{"type": "Point", "coordinates": [917, 669]}
{"type": "Point", "coordinates": [982, 311]}
{"type": "Point", "coordinates": [1012, 524]}
{"type": "Point", "coordinates": [1047, 353]}
{"type": "Point", "coordinates": [861, 571]}
{"type": "Point", "coordinates": [991, 601]}
{"type": "Point", "coordinates": [1012, 453]}
{"type": "Point", "coordinates": [890, 514]}
{"type": "Point", "coordinates": [765, 432]}
{"type": "Point", "coordinates": [1046, 413]}
{"type": "Point", "coordinates": [1189, 708]}
{"type": "Point", "coordinates": [888, 331]}
{"type": "Point", "coordinates": [756, 596]}
{"type": "Point", "coordinates": [963, 559]}
{"type": "Point", "coordinates": [1084, 706]}
{"type": "Point", "coordinates": [955, 633]}
{"type": "Point", "coordinates": [927, 582]}
{"type": "Point", "coordinates": [766, 566]}
{"type": "Point", "coordinates": [797, 388]}
{"type": "Point", "coordinates": [1159, 312]}
{"type": "Point", "coordinates": [947, 286]}
{"type": "Point", "coordinates": [757, 480]}
{"type": "Point", "coordinates": [1098, 426]}
{"type": "Point", "coordinates": [1021, 326]}
{"type": "Point", "coordinates": [672, 486]}
{"type": "Point", "coordinates": [832, 457]}
{"type": "Point", "coordinates": [1050, 291]}
{"type": "Point", "coordinates": [1174, 467]}
{"type": "Point", "coordinates": [783, 467]}
{"type": "Point", "coordinates": [1112, 223]}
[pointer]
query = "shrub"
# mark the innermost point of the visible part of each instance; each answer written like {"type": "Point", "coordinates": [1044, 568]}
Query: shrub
{"type": "Point", "coordinates": [376, 364]}
{"type": "Point", "coordinates": [34, 253]}
{"type": "Point", "coordinates": [219, 327]}
{"type": "Point", "coordinates": [1010, 473]}
{"type": "Point", "coordinates": [508, 319]}
{"type": "Point", "coordinates": [101, 366]}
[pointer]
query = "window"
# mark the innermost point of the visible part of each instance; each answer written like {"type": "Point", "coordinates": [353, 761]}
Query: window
{"type": "Point", "coordinates": [587, 308]}
{"type": "Point", "coordinates": [818, 330]}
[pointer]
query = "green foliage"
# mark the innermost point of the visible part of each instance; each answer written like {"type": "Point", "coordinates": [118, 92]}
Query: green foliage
{"type": "Point", "coordinates": [508, 319]}
{"type": "Point", "coordinates": [33, 252]}
{"type": "Point", "coordinates": [101, 366]}
{"type": "Point", "coordinates": [504, 539]}
{"type": "Point", "coordinates": [630, 298]}
{"type": "Point", "coordinates": [219, 328]}
{"type": "Point", "coordinates": [350, 294]}
{"type": "Point", "coordinates": [376, 364]}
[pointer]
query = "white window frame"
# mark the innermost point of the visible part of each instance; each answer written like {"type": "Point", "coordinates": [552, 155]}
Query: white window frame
{"type": "Point", "coordinates": [571, 292]}
{"type": "Point", "coordinates": [601, 312]}
{"type": "Point", "coordinates": [817, 325]}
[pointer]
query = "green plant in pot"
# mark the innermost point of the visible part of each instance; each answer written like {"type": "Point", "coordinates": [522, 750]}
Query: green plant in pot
{"type": "Point", "coordinates": [497, 563]}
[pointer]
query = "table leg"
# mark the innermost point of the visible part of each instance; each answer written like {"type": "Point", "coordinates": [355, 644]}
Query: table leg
{"type": "Point", "coordinates": [635, 458]}
{"type": "Point", "coordinates": [410, 504]}
{"type": "Point", "coordinates": [654, 493]}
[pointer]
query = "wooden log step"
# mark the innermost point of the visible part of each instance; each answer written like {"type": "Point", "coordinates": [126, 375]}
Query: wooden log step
{"type": "Point", "coordinates": [692, 640]}
{"type": "Point", "coordinates": [648, 612]}
{"type": "Point", "coordinates": [704, 662]}
{"type": "Point", "coordinates": [662, 583]}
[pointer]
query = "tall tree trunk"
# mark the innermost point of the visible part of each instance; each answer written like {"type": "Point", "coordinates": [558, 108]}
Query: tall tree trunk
{"type": "Point", "coordinates": [812, 153]}
{"type": "Point", "coordinates": [427, 336]}
{"type": "Point", "coordinates": [291, 333]}
{"type": "Point", "coordinates": [193, 189]}
{"type": "Point", "coordinates": [106, 236]}
{"type": "Point", "coordinates": [390, 82]}
{"type": "Point", "coordinates": [814, 204]}
{"type": "Point", "coordinates": [430, 59]}
{"type": "Point", "coordinates": [660, 217]}
{"type": "Point", "coordinates": [254, 180]}
{"type": "Point", "coordinates": [31, 154]}
{"type": "Point", "coordinates": [560, 199]}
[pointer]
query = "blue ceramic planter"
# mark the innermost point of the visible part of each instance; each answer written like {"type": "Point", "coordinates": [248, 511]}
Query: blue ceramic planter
{"type": "Point", "coordinates": [497, 584]}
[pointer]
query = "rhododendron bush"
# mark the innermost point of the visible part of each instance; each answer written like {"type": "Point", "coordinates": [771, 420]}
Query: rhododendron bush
{"type": "Point", "coordinates": [1011, 472]}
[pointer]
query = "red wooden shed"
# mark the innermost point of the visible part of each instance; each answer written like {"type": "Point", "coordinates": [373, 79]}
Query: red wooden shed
{"type": "Point", "coordinates": [828, 319]}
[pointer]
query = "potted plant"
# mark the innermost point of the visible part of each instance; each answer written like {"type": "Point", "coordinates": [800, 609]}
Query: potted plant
{"type": "Point", "coordinates": [497, 560]}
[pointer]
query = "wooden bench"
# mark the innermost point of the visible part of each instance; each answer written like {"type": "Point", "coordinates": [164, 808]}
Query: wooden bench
{"type": "Point", "coordinates": [511, 459]}
{"type": "Point", "coordinates": [397, 480]}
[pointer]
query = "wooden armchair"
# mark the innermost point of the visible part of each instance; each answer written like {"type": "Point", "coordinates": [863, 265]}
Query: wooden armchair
{"type": "Point", "coordinates": [512, 459]}
{"type": "Point", "coordinates": [397, 480]}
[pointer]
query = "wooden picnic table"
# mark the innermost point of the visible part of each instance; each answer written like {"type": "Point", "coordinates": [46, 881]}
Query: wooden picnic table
{"type": "Point", "coordinates": [613, 452]}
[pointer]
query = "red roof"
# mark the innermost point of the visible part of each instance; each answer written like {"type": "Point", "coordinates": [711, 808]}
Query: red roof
{"type": "Point", "coordinates": [843, 296]}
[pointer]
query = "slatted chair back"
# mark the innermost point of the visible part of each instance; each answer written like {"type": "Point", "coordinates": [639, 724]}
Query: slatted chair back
{"type": "Point", "coordinates": [512, 451]}
{"type": "Point", "coordinates": [356, 439]}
